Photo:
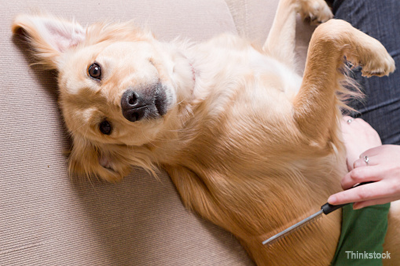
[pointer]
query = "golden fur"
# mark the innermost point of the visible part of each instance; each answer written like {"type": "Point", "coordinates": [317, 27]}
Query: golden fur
{"type": "Point", "coordinates": [249, 144]}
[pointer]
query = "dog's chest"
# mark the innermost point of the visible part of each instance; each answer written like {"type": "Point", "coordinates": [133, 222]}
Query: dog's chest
{"type": "Point", "coordinates": [220, 66]}
{"type": "Point", "coordinates": [233, 77]}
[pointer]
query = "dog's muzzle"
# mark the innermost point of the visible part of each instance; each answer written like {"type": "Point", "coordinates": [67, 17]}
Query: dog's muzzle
{"type": "Point", "coordinates": [144, 103]}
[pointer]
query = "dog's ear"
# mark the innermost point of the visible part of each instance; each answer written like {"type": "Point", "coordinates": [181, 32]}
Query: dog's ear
{"type": "Point", "coordinates": [49, 36]}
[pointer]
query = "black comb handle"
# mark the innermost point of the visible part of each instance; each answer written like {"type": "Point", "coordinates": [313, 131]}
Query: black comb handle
{"type": "Point", "coordinates": [328, 208]}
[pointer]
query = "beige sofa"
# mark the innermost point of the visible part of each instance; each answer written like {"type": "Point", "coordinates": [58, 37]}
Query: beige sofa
{"type": "Point", "coordinates": [46, 218]}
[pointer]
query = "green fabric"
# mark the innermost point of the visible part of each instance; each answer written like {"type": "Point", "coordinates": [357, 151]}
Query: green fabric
{"type": "Point", "coordinates": [363, 231]}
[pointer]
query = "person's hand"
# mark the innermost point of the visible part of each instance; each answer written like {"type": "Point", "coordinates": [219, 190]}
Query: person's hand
{"type": "Point", "coordinates": [381, 165]}
{"type": "Point", "coordinates": [358, 136]}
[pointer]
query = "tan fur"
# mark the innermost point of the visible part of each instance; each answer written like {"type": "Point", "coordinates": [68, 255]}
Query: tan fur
{"type": "Point", "coordinates": [249, 144]}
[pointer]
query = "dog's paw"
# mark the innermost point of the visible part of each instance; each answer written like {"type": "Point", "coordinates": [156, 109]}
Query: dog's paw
{"type": "Point", "coordinates": [371, 55]}
{"type": "Point", "coordinates": [111, 170]}
{"type": "Point", "coordinates": [101, 167]}
{"type": "Point", "coordinates": [379, 64]}
{"type": "Point", "coordinates": [315, 11]}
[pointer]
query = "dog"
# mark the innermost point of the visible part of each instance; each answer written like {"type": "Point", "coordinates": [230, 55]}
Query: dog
{"type": "Point", "coordinates": [249, 144]}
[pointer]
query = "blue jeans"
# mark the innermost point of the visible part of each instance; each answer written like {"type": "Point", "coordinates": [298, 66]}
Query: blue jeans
{"type": "Point", "coordinates": [379, 19]}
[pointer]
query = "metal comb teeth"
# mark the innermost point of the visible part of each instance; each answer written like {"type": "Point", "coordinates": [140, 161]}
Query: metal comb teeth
{"type": "Point", "coordinates": [325, 209]}
{"type": "Point", "coordinates": [293, 228]}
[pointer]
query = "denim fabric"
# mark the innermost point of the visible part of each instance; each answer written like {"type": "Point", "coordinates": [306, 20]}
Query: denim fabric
{"type": "Point", "coordinates": [379, 19]}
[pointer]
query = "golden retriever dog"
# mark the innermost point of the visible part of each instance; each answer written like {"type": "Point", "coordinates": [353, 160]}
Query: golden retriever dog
{"type": "Point", "coordinates": [249, 144]}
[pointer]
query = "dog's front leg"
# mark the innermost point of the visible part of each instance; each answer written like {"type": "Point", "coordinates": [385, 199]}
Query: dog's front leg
{"type": "Point", "coordinates": [280, 43]}
{"type": "Point", "coordinates": [315, 109]}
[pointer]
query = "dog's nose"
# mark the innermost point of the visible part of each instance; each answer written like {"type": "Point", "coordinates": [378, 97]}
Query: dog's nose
{"type": "Point", "coordinates": [133, 105]}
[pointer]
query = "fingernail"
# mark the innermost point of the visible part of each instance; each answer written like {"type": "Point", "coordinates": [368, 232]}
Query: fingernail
{"type": "Point", "coordinates": [357, 206]}
{"type": "Point", "coordinates": [332, 199]}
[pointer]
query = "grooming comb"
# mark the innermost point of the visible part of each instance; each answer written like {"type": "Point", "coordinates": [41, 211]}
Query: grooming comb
{"type": "Point", "coordinates": [325, 209]}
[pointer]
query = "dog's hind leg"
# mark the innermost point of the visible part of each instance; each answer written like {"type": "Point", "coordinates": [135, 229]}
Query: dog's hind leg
{"type": "Point", "coordinates": [315, 109]}
{"type": "Point", "coordinates": [280, 43]}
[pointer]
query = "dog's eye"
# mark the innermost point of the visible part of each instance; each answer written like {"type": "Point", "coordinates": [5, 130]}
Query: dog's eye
{"type": "Point", "coordinates": [94, 71]}
{"type": "Point", "coordinates": [105, 127]}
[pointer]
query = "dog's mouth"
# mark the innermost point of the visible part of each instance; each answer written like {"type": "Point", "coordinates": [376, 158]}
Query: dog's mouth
{"type": "Point", "coordinates": [150, 104]}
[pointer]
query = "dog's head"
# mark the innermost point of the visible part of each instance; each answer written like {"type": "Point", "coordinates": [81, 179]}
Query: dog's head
{"type": "Point", "coordinates": [119, 87]}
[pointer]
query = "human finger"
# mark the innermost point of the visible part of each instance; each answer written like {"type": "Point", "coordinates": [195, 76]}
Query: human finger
{"type": "Point", "coordinates": [374, 151]}
{"type": "Point", "coordinates": [366, 160]}
{"type": "Point", "coordinates": [361, 193]}
{"type": "Point", "coordinates": [361, 175]}
{"type": "Point", "coordinates": [347, 119]}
